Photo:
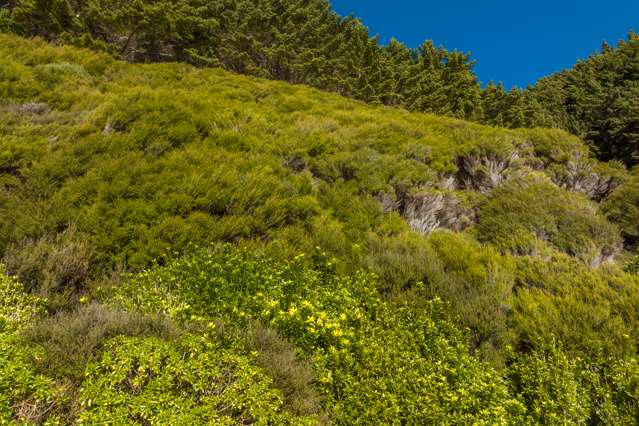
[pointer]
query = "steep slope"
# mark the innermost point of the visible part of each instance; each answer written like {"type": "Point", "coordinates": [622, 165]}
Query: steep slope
{"type": "Point", "coordinates": [177, 150]}
{"type": "Point", "coordinates": [107, 167]}
{"type": "Point", "coordinates": [305, 41]}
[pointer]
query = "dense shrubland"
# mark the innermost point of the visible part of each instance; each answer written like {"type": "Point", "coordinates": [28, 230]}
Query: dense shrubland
{"type": "Point", "coordinates": [304, 41]}
{"type": "Point", "coordinates": [178, 234]}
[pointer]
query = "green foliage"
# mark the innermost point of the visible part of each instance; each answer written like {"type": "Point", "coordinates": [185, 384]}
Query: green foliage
{"type": "Point", "coordinates": [130, 164]}
{"type": "Point", "coordinates": [524, 216]}
{"type": "Point", "coordinates": [622, 208]}
{"type": "Point", "coordinates": [550, 384]}
{"type": "Point", "coordinates": [359, 344]}
{"type": "Point", "coordinates": [306, 42]}
{"type": "Point", "coordinates": [17, 308]}
{"type": "Point", "coordinates": [199, 380]}
{"type": "Point", "coordinates": [107, 166]}
{"type": "Point", "coordinates": [589, 311]}
{"type": "Point", "coordinates": [141, 160]}
{"type": "Point", "coordinates": [51, 265]}
{"type": "Point", "coordinates": [617, 387]}
{"type": "Point", "coordinates": [478, 283]}
{"type": "Point", "coordinates": [632, 266]}
{"type": "Point", "coordinates": [295, 41]}
{"type": "Point", "coordinates": [292, 375]}
{"type": "Point", "coordinates": [558, 388]}
{"type": "Point", "coordinates": [68, 341]}
{"type": "Point", "coordinates": [24, 395]}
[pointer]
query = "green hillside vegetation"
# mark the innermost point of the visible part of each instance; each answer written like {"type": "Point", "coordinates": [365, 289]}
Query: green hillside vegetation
{"type": "Point", "coordinates": [186, 245]}
{"type": "Point", "coordinates": [298, 41]}
{"type": "Point", "coordinates": [304, 41]}
{"type": "Point", "coordinates": [596, 100]}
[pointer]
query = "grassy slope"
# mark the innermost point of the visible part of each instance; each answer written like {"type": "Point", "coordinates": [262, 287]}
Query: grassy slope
{"type": "Point", "coordinates": [106, 165]}
{"type": "Point", "coordinates": [168, 147]}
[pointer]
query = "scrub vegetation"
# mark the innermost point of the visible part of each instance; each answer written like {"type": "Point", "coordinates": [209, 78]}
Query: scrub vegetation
{"type": "Point", "coordinates": [185, 245]}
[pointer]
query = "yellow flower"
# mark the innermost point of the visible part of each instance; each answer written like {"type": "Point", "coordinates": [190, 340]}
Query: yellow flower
{"type": "Point", "coordinates": [327, 379]}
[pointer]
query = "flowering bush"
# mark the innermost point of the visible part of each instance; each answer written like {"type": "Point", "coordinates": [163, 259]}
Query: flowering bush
{"type": "Point", "coordinates": [24, 395]}
{"type": "Point", "coordinates": [376, 362]}
{"type": "Point", "coordinates": [199, 380]}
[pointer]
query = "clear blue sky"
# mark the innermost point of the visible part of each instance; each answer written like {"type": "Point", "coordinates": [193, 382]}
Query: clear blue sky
{"type": "Point", "coordinates": [516, 42]}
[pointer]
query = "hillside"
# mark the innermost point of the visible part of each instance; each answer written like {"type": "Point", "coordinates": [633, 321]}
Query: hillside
{"type": "Point", "coordinates": [298, 41]}
{"type": "Point", "coordinates": [306, 42]}
{"type": "Point", "coordinates": [186, 245]}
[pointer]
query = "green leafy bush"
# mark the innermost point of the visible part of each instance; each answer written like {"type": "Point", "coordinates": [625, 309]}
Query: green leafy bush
{"type": "Point", "coordinates": [559, 388]}
{"type": "Point", "coordinates": [590, 311]}
{"type": "Point", "coordinates": [622, 208]}
{"type": "Point", "coordinates": [524, 216]}
{"type": "Point", "coordinates": [68, 341]}
{"type": "Point", "coordinates": [358, 343]}
{"type": "Point", "coordinates": [25, 396]}
{"type": "Point", "coordinates": [194, 381]}
{"type": "Point", "coordinates": [17, 308]}
{"type": "Point", "coordinates": [632, 266]}
{"type": "Point", "coordinates": [551, 385]}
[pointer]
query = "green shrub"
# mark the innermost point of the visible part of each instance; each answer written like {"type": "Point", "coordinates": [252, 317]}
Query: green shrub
{"type": "Point", "coordinates": [359, 344]}
{"type": "Point", "coordinates": [616, 387]}
{"type": "Point", "coordinates": [551, 385]}
{"type": "Point", "coordinates": [632, 267]}
{"type": "Point", "coordinates": [622, 208]}
{"type": "Point", "coordinates": [6, 23]}
{"type": "Point", "coordinates": [589, 311]}
{"type": "Point", "coordinates": [17, 308]}
{"type": "Point", "coordinates": [198, 380]}
{"type": "Point", "coordinates": [147, 160]}
{"type": "Point", "coordinates": [477, 281]}
{"type": "Point", "coordinates": [523, 216]}
{"type": "Point", "coordinates": [401, 260]}
{"type": "Point", "coordinates": [560, 388]}
{"type": "Point", "coordinates": [25, 396]}
{"type": "Point", "coordinates": [68, 341]}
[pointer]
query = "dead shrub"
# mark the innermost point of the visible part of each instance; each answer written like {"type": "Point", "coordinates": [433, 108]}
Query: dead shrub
{"type": "Point", "coordinates": [51, 264]}
{"type": "Point", "coordinates": [293, 376]}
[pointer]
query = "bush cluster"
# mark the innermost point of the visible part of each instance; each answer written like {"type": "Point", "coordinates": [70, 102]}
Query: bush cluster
{"type": "Point", "coordinates": [361, 264]}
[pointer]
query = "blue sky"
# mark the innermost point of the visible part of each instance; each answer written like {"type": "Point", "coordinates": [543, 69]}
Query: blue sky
{"type": "Point", "coordinates": [516, 42]}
